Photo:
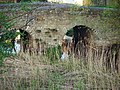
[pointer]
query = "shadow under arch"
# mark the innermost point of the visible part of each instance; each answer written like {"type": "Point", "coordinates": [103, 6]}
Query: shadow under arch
{"type": "Point", "coordinates": [26, 40]}
{"type": "Point", "coordinates": [77, 39]}
{"type": "Point", "coordinates": [16, 40]}
{"type": "Point", "coordinates": [80, 41]}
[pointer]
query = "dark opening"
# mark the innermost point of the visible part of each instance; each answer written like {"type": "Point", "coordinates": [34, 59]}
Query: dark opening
{"type": "Point", "coordinates": [77, 40]}
{"type": "Point", "coordinates": [82, 36]}
{"type": "Point", "coordinates": [25, 40]}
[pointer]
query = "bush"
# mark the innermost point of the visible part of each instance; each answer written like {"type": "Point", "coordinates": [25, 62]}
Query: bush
{"type": "Point", "coordinates": [53, 53]}
{"type": "Point", "coordinates": [6, 36]}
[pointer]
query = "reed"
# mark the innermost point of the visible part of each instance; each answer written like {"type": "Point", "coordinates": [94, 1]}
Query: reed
{"type": "Point", "coordinates": [36, 72]}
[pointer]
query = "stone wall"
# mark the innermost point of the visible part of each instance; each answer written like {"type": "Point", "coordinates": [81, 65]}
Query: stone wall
{"type": "Point", "coordinates": [49, 22]}
{"type": "Point", "coordinates": [51, 25]}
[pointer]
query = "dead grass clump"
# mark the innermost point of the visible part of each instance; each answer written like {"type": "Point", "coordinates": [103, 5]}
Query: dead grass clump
{"type": "Point", "coordinates": [31, 72]}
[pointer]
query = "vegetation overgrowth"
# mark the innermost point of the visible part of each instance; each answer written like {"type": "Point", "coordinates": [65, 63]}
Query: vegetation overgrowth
{"type": "Point", "coordinates": [48, 72]}
{"type": "Point", "coordinates": [5, 36]}
{"type": "Point", "coordinates": [26, 72]}
{"type": "Point", "coordinates": [7, 32]}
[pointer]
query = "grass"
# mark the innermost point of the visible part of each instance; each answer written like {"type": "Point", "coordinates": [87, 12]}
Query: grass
{"type": "Point", "coordinates": [38, 72]}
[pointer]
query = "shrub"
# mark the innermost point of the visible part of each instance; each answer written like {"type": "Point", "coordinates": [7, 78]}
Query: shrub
{"type": "Point", "coordinates": [53, 53]}
{"type": "Point", "coordinates": [6, 36]}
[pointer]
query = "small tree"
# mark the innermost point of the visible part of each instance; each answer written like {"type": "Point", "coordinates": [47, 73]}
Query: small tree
{"type": "Point", "coordinates": [112, 16]}
{"type": "Point", "coordinates": [6, 36]}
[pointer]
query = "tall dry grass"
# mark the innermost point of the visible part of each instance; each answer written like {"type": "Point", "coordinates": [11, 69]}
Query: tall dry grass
{"type": "Point", "coordinates": [40, 72]}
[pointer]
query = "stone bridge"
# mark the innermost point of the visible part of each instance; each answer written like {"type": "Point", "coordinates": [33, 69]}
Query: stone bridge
{"type": "Point", "coordinates": [48, 22]}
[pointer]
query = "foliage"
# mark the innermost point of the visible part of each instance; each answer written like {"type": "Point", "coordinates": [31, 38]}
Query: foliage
{"type": "Point", "coordinates": [112, 17]}
{"type": "Point", "coordinates": [26, 0]}
{"type": "Point", "coordinates": [70, 32]}
{"type": "Point", "coordinates": [53, 53]}
{"type": "Point", "coordinates": [5, 36]}
{"type": "Point", "coordinates": [24, 6]}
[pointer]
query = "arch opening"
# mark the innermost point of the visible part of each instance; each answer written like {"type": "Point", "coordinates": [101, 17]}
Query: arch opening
{"type": "Point", "coordinates": [80, 42]}
{"type": "Point", "coordinates": [75, 40]}
{"type": "Point", "coordinates": [26, 41]}
{"type": "Point", "coordinates": [16, 41]}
